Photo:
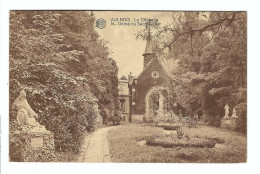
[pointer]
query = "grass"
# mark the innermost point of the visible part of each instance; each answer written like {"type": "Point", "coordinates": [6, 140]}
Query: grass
{"type": "Point", "coordinates": [124, 148]}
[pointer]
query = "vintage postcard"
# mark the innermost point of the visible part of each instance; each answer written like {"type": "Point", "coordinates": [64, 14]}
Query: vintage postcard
{"type": "Point", "coordinates": [128, 86]}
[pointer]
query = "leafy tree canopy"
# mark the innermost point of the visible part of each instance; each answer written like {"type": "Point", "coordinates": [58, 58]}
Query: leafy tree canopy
{"type": "Point", "coordinates": [209, 50]}
{"type": "Point", "coordinates": [61, 62]}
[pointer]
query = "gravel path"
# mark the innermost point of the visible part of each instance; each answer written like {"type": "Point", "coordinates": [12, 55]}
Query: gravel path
{"type": "Point", "coordinates": [95, 147]}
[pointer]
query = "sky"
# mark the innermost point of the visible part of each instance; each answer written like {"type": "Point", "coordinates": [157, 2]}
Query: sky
{"type": "Point", "coordinates": [124, 48]}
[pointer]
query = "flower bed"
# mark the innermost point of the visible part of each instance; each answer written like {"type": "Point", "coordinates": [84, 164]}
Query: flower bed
{"type": "Point", "coordinates": [169, 126]}
{"type": "Point", "coordinates": [171, 142]}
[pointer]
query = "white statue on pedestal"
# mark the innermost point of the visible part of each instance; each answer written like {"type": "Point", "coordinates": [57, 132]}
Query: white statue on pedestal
{"type": "Point", "coordinates": [25, 114]}
{"type": "Point", "coordinates": [161, 104]}
{"type": "Point", "coordinates": [226, 111]}
{"type": "Point", "coordinates": [234, 114]}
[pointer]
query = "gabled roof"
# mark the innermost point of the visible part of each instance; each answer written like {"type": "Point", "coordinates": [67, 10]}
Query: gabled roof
{"type": "Point", "coordinates": [164, 67]}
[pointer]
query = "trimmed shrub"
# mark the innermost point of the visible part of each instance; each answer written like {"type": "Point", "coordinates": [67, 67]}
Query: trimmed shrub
{"type": "Point", "coordinates": [218, 140]}
{"type": "Point", "coordinates": [172, 143]}
{"type": "Point", "coordinates": [169, 127]}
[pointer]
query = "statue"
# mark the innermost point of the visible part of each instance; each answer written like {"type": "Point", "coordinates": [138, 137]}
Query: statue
{"type": "Point", "coordinates": [226, 111]}
{"type": "Point", "coordinates": [25, 114]}
{"type": "Point", "coordinates": [234, 114]}
{"type": "Point", "coordinates": [161, 105]}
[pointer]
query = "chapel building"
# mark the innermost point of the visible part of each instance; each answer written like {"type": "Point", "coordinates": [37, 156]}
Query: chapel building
{"type": "Point", "coordinates": [147, 94]}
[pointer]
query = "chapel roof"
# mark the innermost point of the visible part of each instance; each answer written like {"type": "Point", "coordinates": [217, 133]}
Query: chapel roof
{"type": "Point", "coordinates": [163, 65]}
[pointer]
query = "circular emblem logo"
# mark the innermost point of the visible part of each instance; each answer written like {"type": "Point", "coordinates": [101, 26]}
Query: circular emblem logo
{"type": "Point", "coordinates": [155, 74]}
{"type": "Point", "coordinates": [101, 23]}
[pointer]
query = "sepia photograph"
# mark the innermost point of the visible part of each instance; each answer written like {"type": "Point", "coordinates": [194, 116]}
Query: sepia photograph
{"type": "Point", "coordinates": [128, 86]}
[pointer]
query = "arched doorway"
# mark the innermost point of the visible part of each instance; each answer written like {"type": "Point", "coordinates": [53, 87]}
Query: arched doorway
{"type": "Point", "coordinates": [156, 102]}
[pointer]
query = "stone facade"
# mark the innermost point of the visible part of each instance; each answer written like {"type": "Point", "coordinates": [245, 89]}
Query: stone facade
{"type": "Point", "coordinates": [145, 82]}
{"type": "Point", "coordinates": [36, 146]}
{"type": "Point", "coordinates": [147, 95]}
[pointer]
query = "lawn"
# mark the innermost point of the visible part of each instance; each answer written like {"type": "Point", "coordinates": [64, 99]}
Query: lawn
{"type": "Point", "coordinates": [124, 147]}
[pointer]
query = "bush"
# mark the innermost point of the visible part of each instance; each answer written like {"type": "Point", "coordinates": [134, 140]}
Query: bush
{"type": "Point", "coordinates": [170, 142]}
{"type": "Point", "coordinates": [218, 140]}
{"type": "Point", "coordinates": [16, 149]}
{"type": "Point", "coordinates": [64, 76]}
{"type": "Point", "coordinates": [144, 119]}
{"type": "Point", "coordinates": [242, 117]}
{"type": "Point", "coordinates": [168, 127]}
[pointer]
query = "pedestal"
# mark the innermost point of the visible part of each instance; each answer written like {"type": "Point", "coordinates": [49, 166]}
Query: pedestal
{"type": "Point", "coordinates": [229, 123]}
{"type": "Point", "coordinates": [37, 146]}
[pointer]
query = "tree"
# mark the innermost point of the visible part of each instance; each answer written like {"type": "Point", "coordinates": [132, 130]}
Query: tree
{"type": "Point", "coordinates": [61, 62]}
{"type": "Point", "coordinates": [210, 51]}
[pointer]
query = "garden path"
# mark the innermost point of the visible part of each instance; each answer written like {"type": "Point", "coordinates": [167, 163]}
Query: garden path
{"type": "Point", "coordinates": [95, 147]}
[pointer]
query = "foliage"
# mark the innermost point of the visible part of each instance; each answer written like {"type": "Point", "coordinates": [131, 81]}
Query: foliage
{"type": "Point", "coordinates": [16, 149]}
{"type": "Point", "coordinates": [169, 127]}
{"type": "Point", "coordinates": [172, 142]}
{"type": "Point", "coordinates": [180, 132]}
{"type": "Point", "coordinates": [209, 49]}
{"type": "Point", "coordinates": [60, 61]}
